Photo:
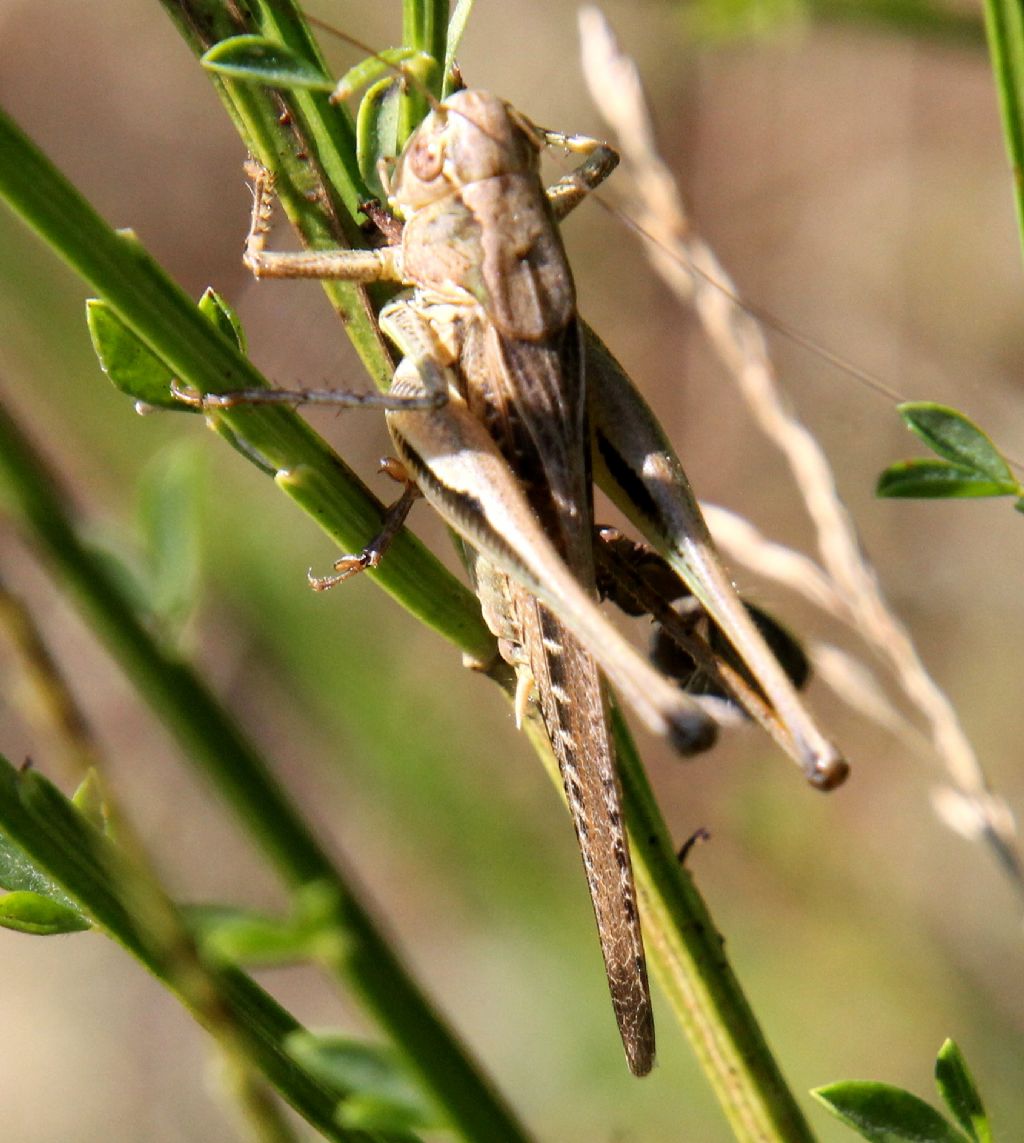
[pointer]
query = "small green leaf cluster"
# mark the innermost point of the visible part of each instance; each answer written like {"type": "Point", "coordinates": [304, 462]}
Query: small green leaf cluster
{"type": "Point", "coordinates": [886, 1114]}
{"type": "Point", "coordinates": [34, 902]}
{"type": "Point", "coordinates": [970, 464]}
{"type": "Point", "coordinates": [399, 83]}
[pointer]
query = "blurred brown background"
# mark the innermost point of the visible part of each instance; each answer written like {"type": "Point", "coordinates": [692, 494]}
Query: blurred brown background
{"type": "Point", "coordinates": [854, 182]}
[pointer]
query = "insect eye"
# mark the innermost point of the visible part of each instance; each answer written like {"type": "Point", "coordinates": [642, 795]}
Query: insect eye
{"type": "Point", "coordinates": [428, 160]}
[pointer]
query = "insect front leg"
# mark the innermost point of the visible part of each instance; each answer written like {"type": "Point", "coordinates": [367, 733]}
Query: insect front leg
{"type": "Point", "coordinates": [571, 189]}
{"type": "Point", "coordinates": [421, 382]}
{"type": "Point", "coordinates": [335, 265]}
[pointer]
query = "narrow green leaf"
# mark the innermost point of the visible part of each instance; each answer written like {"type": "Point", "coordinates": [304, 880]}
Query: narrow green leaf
{"type": "Point", "coordinates": [956, 438]}
{"type": "Point", "coordinates": [137, 370]}
{"type": "Point", "coordinates": [937, 479]}
{"type": "Point", "coordinates": [219, 313]}
{"type": "Point", "coordinates": [456, 28]}
{"type": "Point", "coordinates": [265, 61]}
{"type": "Point", "coordinates": [130, 365]}
{"type": "Point", "coordinates": [19, 873]}
{"type": "Point", "coordinates": [377, 126]}
{"type": "Point", "coordinates": [27, 912]}
{"type": "Point", "coordinates": [392, 63]}
{"type": "Point", "coordinates": [375, 1090]}
{"type": "Point", "coordinates": [369, 1112]}
{"type": "Point", "coordinates": [886, 1114]}
{"type": "Point", "coordinates": [88, 800]}
{"type": "Point", "coordinates": [246, 937]}
{"type": "Point", "coordinates": [960, 1093]}
{"type": "Point", "coordinates": [1004, 29]}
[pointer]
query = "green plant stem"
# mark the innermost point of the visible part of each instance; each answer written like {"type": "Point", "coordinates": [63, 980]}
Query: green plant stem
{"type": "Point", "coordinates": [688, 955]}
{"type": "Point", "coordinates": [690, 961]}
{"type": "Point", "coordinates": [216, 745]}
{"type": "Point", "coordinates": [1004, 25]}
{"type": "Point", "coordinates": [424, 24]}
{"type": "Point", "coordinates": [308, 144]}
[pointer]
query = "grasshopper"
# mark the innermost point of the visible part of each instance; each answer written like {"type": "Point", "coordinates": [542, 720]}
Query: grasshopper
{"type": "Point", "coordinates": [503, 410]}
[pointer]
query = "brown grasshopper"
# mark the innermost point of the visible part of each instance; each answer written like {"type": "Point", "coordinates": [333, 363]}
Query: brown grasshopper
{"type": "Point", "coordinates": [502, 410]}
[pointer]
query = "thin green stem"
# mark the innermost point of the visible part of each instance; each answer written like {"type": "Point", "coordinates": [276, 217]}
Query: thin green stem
{"type": "Point", "coordinates": [308, 143]}
{"type": "Point", "coordinates": [690, 960]}
{"type": "Point", "coordinates": [423, 28]}
{"type": "Point", "coordinates": [688, 956]}
{"type": "Point", "coordinates": [1004, 25]}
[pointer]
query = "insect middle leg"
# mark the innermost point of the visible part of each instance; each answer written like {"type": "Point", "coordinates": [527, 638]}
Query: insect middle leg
{"type": "Point", "coordinates": [345, 567]}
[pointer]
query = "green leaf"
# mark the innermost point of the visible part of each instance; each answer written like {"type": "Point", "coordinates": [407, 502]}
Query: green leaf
{"type": "Point", "coordinates": [27, 912]}
{"type": "Point", "coordinates": [130, 365]}
{"type": "Point", "coordinates": [409, 75]}
{"type": "Point", "coordinates": [935, 479]}
{"type": "Point", "coordinates": [220, 314]}
{"type": "Point", "coordinates": [376, 1092]}
{"type": "Point", "coordinates": [18, 872]}
{"type": "Point", "coordinates": [886, 1114]}
{"type": "Point", "coordinates": [265, 61]}
{"type": "Point", "coordinates": [377, 126]}
{"type": "Point", "coordinates": [137, 370]}
{"type": "Point", "coordinates": [368, 1112]}
{"type": "Point", "coordinates": [960, 1094]}
{"type": "Point", "coordinates": [241, 937]}
{"type": "Point", "coordinates": [88, 800]}
{"type": "Point", "coordinates": [393, 63]}
{"type": "Point", "coordinates": [456, 28]}
{"type": "Point", "coordinates": [1003, 27]}
{"type": "Point", "coordinates": [957, 439]}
